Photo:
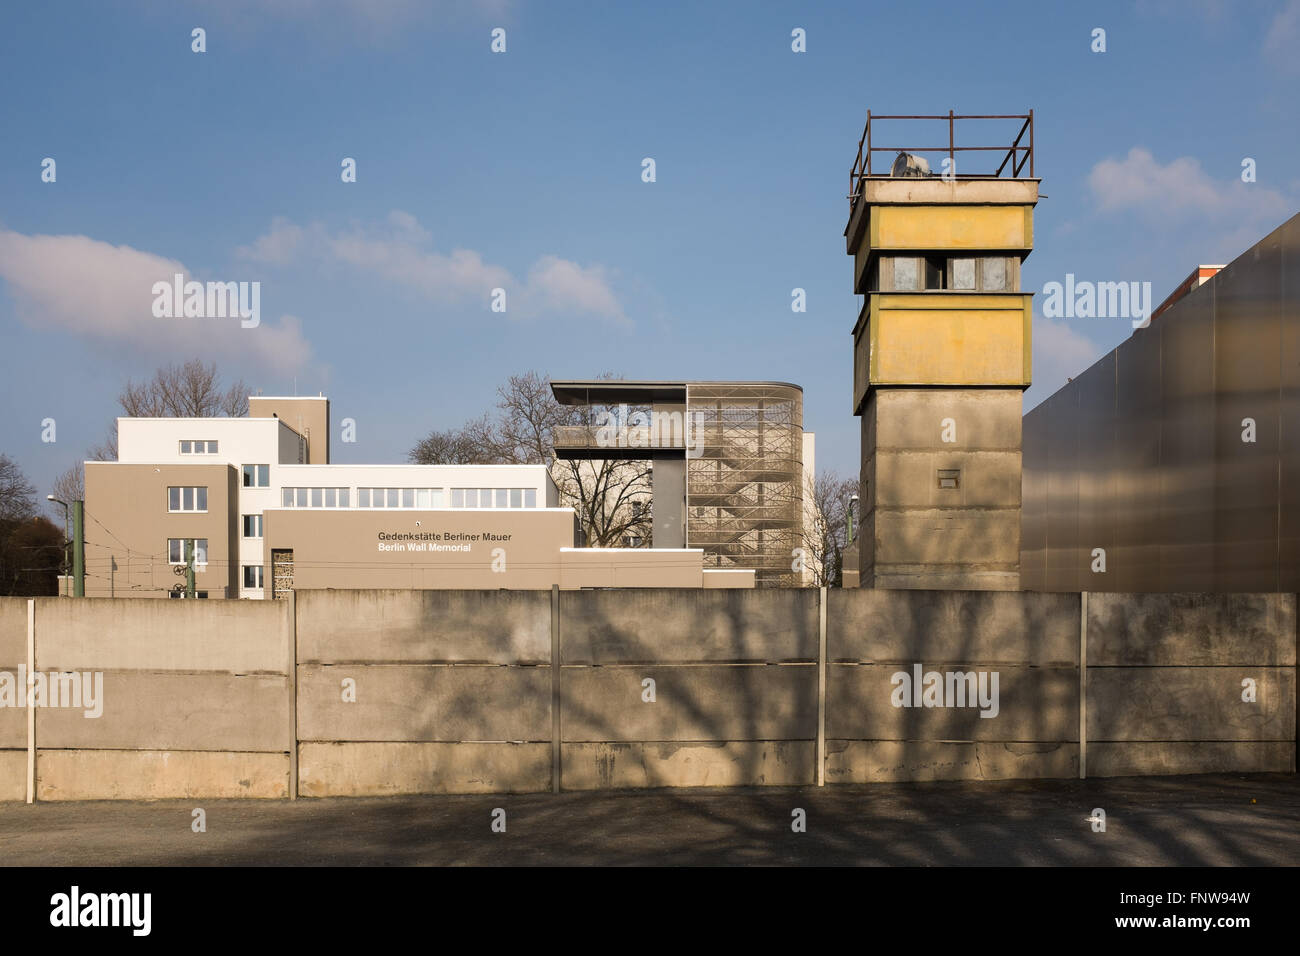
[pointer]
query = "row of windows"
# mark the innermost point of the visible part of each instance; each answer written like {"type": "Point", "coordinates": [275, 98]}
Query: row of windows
{"type": "Point", "coordinates": [252, 573]}
{"type": "Point", "coordinates": [176, 550]}
{"type": "Point", "coordinates": [314, 497]}
{"type": "Point", "coordinates": [198, 448]}
{"type": "Point", "coordinates": [187, 499]}
{"type": "Point", "coordinates": [399, 497]}
{"type": "Point", "coordinates": [936, 273]}
{"type": "Point", "coordinates": [494, 497]}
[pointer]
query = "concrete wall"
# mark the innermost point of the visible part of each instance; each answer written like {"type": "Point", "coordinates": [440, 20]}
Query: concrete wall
{"type": "Point", "coordinates": [1030, 641]}
{"type": "Point", "coordinates": [1175, 705]}
{"type": "Point", "coordinates": [916, 534]}
{"type": "Point", "coordinates": [385, 692]}
{"type": "Point", "coordinates": [195, 698]}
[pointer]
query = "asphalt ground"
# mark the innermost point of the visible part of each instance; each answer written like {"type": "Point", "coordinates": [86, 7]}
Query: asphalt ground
{"type": "Point", "coordinates": [1204, 820]}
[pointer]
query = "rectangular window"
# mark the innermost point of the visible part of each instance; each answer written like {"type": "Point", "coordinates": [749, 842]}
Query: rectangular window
{"type": "Point", "coordinates": [257, 476]}
{"type": "Point", "coordinates": [516, 497]}
{"type": "Point", "coordinates": [252, 526]}
{"type": "Point", "coordinates": [363, 497]}
{"type": "Point", "coordinates": [300, 497]}
{"type": "Point", "coordinates": [907, 277]}
{"type": "Point", "coordinates": [963, 274]}
{"type": "Point", "coordinates": [187, 499]}
{"type": "Point", "coordinates": [252, 575]}
{"type": "Point", "coordinates": [408, 497]}
{"type": "Point", "coordinates": [343, 497]}
{"type": "Point", "coordinates": [176, 551]}
{"type": "Point", "coordinates": [423, 498]}
{"type": "Point", "coordinates": [530, 497]}
{"type": "Point", "coordinates": [185, 447]}
{"type": "Point", "coordinates": [949, 477]}
{"type": "Point", "coordinates": [458, 497]}
{"type": "Point", "coordinates": [503, 498]}
{"type": "Point", "coordinates": [318, 497]}
{"type": "Point", "coordinates": [995, 274]}
{"type": "Point", "coordinates": [331, 497]}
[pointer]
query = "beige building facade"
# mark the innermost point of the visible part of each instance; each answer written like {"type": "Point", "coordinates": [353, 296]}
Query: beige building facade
{"type": "Point", "coordinates": [262, 509]}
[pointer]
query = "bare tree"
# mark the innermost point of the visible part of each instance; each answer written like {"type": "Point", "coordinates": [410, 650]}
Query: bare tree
{"type": "Point", "coordinates": [17, 494]}
{"type": "Point", "coordinates": [190, 390]}
{"type": "Point", "coordinates": [611, 498]}
{"type": "Point", "coordinates": [825, 529]}
{"type": "Point", "coordinates": [450, 447]}
{"type": "Point", "coordinates": [71, 485]}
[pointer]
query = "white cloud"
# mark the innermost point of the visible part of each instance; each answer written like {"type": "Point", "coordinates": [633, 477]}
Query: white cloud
{"type": "Point", "coordinates": [556, 284]}
{"type": "Point", "coordinates": [277, 247]}
{"type": "Point", "coordinates": [1283, 38]}
{"type": "Point", "coordinates": [398, 250]}
{"type": "Point", "coordinates": [1180, 201]}
{"type": "Point", "coordinates": [1060, 353]}
{"type": "Point", "coordinates": [1179, 187]}
{"type": "Point", "coordinates": [103, 292]}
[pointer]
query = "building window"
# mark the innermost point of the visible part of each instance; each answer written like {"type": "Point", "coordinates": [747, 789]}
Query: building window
{"type": "Point", "coordinates": [963, 274]}
{"type": "Point", "coordinates": [257, 476]}
{"type": "Point", "coordinates": [181, 594]}
{"type": "Point", "coordinates": [198, 447]}
{"type": "Point", "coordinates": [494, 497]}
{"type": "Point", "coordinates": [252, 526]}
{"type": "Point", "coordinates": [187, 499]}
{"type": "Point", "coordinates": [252, 575]}
{"type": "Point", "coordinates": [911, 274]}
{"type": "Point", "coordinates": [981, 274]}
{"type": "Point", "coordinates": [907, 277]}
{"type": "Point", "coordinates": [994, 271]}
{"type": "Point", "coordinates": [949, 477]}
{"type": "Point", "coordinates": [399, 497]}
{"type": "Point", "coordinates": [314, 497]}
{"type": "Point", "coordinates": [176, 551]}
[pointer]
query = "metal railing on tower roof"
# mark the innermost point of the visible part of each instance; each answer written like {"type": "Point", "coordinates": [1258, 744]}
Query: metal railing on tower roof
{"type": "Point", "coordinates": [1015, 155]}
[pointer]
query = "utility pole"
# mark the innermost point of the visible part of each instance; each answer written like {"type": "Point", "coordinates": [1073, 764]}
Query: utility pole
{"type": "Point", "coordinates": [64, 569]}
{"type": "Point", "coordinates": [78, 549]}
{"type": "Point", "coordinates": [189, 567]}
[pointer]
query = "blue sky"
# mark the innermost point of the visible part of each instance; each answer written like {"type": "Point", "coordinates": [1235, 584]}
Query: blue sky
{"type": "Point", "coordinates": [522, 170]}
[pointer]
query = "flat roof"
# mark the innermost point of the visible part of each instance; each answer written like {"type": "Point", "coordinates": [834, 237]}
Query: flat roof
{"type": "Point", "coordinates": [581, 391]}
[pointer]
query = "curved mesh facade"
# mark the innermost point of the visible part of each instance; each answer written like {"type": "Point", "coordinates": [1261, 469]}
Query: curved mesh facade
{"type": "Point", "coordinates": [744, 491]}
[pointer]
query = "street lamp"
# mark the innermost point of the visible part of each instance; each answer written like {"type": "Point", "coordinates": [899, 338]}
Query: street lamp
{"type": "Point", "coordinates": [65, 538]}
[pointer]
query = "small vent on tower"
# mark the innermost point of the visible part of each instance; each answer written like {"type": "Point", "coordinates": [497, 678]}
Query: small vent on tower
{"type": "Point", "coordinates": [949, 477]}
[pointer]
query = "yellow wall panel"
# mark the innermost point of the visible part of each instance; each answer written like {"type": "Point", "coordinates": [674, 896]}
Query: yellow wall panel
{"type": "Point", "coordinates": [951, 227]}
{"type": "Point", "coordinates": [974, 347]}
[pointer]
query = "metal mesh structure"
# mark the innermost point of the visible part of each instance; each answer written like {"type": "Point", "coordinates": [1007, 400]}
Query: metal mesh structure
{"type": "Point", "coordinates": [744, 490]}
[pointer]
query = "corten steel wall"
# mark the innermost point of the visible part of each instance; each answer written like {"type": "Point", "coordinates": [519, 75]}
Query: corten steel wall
{"type": "Point", "coordinates": [1143, 455]}
{"type": "Point", "coordinates": [351, 693]}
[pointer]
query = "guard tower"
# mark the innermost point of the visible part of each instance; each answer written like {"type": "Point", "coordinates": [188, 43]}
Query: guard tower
{"type": "Point", "coordinates": [941, 348]}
